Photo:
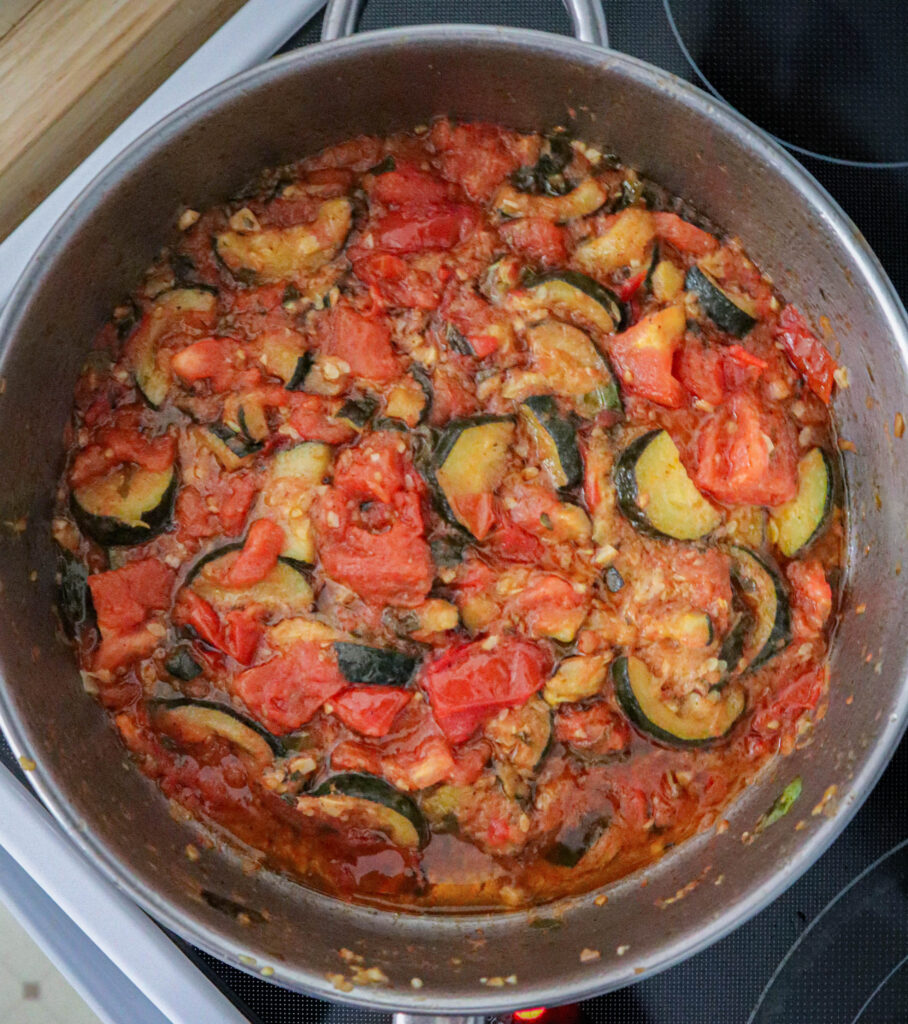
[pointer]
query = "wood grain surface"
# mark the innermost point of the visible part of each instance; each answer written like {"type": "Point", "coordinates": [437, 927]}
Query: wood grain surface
{"type": "Point", "coordinates": [72, 70]}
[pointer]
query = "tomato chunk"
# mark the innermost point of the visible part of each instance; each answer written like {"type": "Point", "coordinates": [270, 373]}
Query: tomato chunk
{"type": "Point", "coordinates": [369, 526]}
{"type": "Point", "coordinates": [195, 611]}
{"type": "Point", "coordinates": [364, 343]}
{"type": "Point", "coordinates": [398, 283]}
{"type": "Point", "coordinates": [207, 359]}
{"type": "Point", "coordinates": [476, 156]}
{"type": "Point", "coordinates": [700, 369]}
{"type": "Point", "coordinates": [124, 597]}
{"type": "Point", "coordinates": [683, 235]}
{"type": "Point", "coordinates": [811, 596]}
{"type": "Point", "coordinates": [310, 417]}
{"type": "Point", "coordinates": [440, 227]}
{"type": "Point", "coordinates": [259, 555]}
{"type": "Point", "coordinates": [643, 356]}
{"type": "Point", "coordinates": [286, 691]}
{"type": "Point", "coordinates": [468, 684]}
{"type": "Point", "coordinates": [539, 239]}
{"type": "Point", "coordinates": [806, 352]}
{"type": "Point", "coordinates": [408, 185]}
{"type": "Point", "coordinates": [370, 710]}
{"type": "Point", "coordinates": [116, 445]}
{"type": "Point", "coordinates": [747, 455]}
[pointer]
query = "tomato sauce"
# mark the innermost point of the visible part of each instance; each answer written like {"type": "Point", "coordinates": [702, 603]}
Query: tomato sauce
{"type": "Point", "coordinates": [453, 521]}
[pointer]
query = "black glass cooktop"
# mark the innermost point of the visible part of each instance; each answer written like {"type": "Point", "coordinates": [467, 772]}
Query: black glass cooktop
{"type": "Point", "coordinates": [829, 78]}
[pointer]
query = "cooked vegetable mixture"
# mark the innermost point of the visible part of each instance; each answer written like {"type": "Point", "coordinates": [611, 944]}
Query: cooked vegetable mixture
{"type": "Point", "coordinates": [453, 520]}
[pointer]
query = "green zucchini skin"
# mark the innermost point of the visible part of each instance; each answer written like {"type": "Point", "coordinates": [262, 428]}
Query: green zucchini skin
{"type": "Point", "coordinates": [626, 484]}
{"type": "Point", "coordinates": [754, 575]}
{"type": "Point", "coordinates": [818, 473]}
{"type": "Point", "coordinates": [546, 176]}
{"type": "Point", "coordinates": [300, 372]}
{"type": "Point", "coordinates": [448, 551]}
{"type": "Point", "coordinates": [627, 492]}
{"type": "Point", "coordinates": [544, 416]}
{"type": "Point", "coordinates": [383, 166]}
{"type": "Point", "coordinates": [240, 444]}
{"type": "Point", "coordinates": [439, 455]}
{"type": "Point", "coordinates": [109, 531]}
{"type": "Point", "coordinates": [277, 747]}
{"type": "Point", "coordinates": [357, 412]}
{"type": "Point", "coordinates": [74, 596]}
{"type": "Point", "coordinates": [372, 665]}
{"type": "Point", "coordinates": [605, 297]}
{"type": "Point", "coordinates": [717, 305]}
{"type": "Point", "coordinates": [631, 706]}
{"type": "Point", "coordinates": [361, 786]}
{"type": "Point", "coordinates": [425, 383]}
{"type": "Point", "coordinates": [181, 664]}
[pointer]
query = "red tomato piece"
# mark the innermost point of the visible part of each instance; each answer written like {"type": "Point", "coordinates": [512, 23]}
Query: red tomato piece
{"type": "Point", "coordinates": [118, 649]}
{"type": "Point", "coordinates": [392, 566]}
{"type": "Point", "coordinates": [286, 691]}
{"type": "Point", "coordinates": [258, 557]}
{"type": "Point", "coordinates": [747, 455]}
{"type": "Point", "coordinates": [543, 602]}
{"type": "Point", "coordinates": [195, 611]}
{"type": "Point", "coordinates": [375, 470]}
{"type": "Point", "coordinates": [483, 344]}
{"type": "Point", "coordinates": [408, 185]}
{"type": "Point", "coordinates": [741, 355]}
{"type": "Point", "coordinates": [240, 636]}
{"type": "Point", "coordinates": [699, 368]}
{"type": "Point", "coordinates": [537, 238]}
{"type": "Point", "coordinates": [364, 343]}
{"type": "Point", "coordinates": [631, 286]}
{"type": "Point", "coordinates": [468, 684]}
{"type": "Point", "coordinates": [352, 756]}
{"type": "Point", "coordinates": [399, 284]}
{"type": "Point", "coordinates": [476, 512]}
{"type": "Point", "coordinates": [811, 596]}
{"type": "Point", "coordinates": [118, 445]}
{"type": "Point", "coordinates": [207, 359]}
{"type": "Point", "coordinates": [370, 710]}
{"type": "Point", "coordinates": [807, 353]}
{"type": "Point", "coordinates": [311, 418]}
{"type": "Point", "coordinates": [513, 544]}
{"type": "Point", "coordinates": [643, 357]}
{"type": "Point", "coordinates": [124, 597]}
{"type": "Point", "coordinates": [195, 519]}
{"type": "Point", "coordinates": [441, 227]}
{"type": "Point", "coordinates": [234, 505]}
{"type": "Point", "coordinates": [596, 726]}
{"type": "Point", "coordinates": [684, 236]}
{"type": "Point", "coordinates": [476, 156]}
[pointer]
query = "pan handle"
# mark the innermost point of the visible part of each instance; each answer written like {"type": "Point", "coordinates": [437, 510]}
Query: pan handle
{"type": "Point", "coordinates": [587, 20]}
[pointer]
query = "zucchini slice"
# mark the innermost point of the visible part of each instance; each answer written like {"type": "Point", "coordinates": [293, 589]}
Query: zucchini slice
{"type": "Point", "coordinates": [768, 613]}
{"type": "Point", "coordinates": [285, 359]}
{"type": "Point", "coordinates": [289, 490]}
{"type": "Point", "coordinates": [655, 493]}
{"type": "Point", "coordinates": [570, 293]}
{"type": "Point", "coordinates": [285, 589]}
{"type": "Point", "coordinates": [278, 254]}
{"type": "Point", "coordinates": [691, 722]}
{"type": "Point", "coordinates": [625, 243]}
{"type": "Point", "coordinates": [192, 306]}
{"type": "Point", "coordinates": [573, 367]}
{"type": "Point", "coordinates": [554, 439]}
{"type": "Point", "coordinates": [373, 665]}
{"type": "Point", "coordinates": [734, 314]}
{"type": "Point", "coordinates": [198, 719]}
{"type": "Point", "coordinates": [128, 506]}
{"type": "Point", "coordinates": [470, 459]}
{"type": "Point", "coordinates": [576, 679]}
{"type": "Point", "coordinates": [232, 448]}
{"type": "Point", "coordinates": [355, 800]}
{"type": "Point", "coordinates": [585, 199]}
{"type": "Point", "coordinates": [798, 522]}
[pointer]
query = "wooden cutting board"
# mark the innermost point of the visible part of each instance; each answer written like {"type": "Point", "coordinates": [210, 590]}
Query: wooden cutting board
{"type": "Point", "coordinates": [72, 70]}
